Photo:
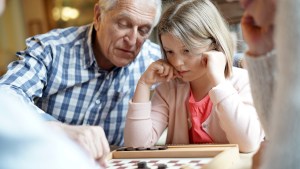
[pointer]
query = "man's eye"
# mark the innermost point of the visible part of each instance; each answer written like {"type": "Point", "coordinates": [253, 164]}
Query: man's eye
{"type": "Point", "coordinates": [144, 31]}
{"type": "Point", "coordinates": [122, 24]}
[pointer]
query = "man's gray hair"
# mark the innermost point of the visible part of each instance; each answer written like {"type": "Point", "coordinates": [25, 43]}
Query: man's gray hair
{"type": "Point", "coordinates": [107, 5]}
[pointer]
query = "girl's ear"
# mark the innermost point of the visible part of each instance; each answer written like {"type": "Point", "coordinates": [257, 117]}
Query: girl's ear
{"type": "Point", "coordinates": [213, 46]}
{"type": "Point", "coordinates": [217, 47]}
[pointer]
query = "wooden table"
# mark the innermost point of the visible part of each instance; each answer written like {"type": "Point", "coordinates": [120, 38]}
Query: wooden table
{"type": "Point", "coordinates": [230, 159]}
{"type": "Point", "coordinates": [245, 161]}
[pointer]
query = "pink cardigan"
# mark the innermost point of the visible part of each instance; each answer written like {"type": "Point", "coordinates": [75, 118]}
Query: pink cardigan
{"type": "Point", "coordinates": [233, 119]}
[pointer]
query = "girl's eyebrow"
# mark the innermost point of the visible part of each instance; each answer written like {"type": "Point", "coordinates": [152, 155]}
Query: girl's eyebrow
{"type": "Point", "coordinates": [182, 47]}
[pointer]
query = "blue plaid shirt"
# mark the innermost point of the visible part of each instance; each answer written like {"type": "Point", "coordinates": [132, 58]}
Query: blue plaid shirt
{"type": "Point", "coordinates": [58, 72]}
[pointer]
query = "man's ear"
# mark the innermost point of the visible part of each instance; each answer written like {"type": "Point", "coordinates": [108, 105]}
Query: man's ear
{"type": "Point", "coordinates": [97, 16]}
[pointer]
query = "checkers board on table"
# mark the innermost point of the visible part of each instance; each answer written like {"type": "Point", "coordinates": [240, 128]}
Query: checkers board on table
{"type": "Point", "coordinates": [204, 156]}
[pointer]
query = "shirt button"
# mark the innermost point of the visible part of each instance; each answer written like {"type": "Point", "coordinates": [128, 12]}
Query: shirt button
{"type": "Point", "coordinates": [204, 125]}
{"type": "Point", "coordinates": [97, 101]}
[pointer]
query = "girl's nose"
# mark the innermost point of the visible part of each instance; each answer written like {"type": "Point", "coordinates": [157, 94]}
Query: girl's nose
{"type": "Point", "coordinates": [178, 63]}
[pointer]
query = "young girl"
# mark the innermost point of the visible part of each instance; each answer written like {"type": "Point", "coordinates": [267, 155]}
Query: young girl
{"type": "Point", "coordinates": [201, 97]}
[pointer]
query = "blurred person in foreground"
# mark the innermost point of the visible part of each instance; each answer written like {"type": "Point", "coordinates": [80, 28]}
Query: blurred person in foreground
{"type": "Point", "coordinates": [271, 30]}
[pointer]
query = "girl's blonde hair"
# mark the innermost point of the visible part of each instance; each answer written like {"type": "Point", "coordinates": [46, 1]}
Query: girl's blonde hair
{"type": "Point", "coordinates": [198, 24]}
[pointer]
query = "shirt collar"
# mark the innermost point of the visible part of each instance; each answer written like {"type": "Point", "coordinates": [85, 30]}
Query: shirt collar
{"type": "Point", "coordinates": [89, 58]}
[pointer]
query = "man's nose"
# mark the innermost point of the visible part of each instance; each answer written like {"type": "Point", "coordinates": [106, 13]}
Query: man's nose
{"type": "Point", "coordinates": [131, 36]}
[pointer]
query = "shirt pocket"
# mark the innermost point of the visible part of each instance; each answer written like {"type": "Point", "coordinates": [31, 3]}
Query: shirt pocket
{"type": "Point", "coordinates": [115, 99]}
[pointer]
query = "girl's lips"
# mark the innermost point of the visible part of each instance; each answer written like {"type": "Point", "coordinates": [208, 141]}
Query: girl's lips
{"type": "Point", "coordinates": [182, 72]}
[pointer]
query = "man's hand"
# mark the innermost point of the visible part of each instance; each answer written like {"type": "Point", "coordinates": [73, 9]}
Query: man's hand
{"type": "Point", "coordinates": [91, 138]}
{"type": "Point", "coordinates": [257, 158]}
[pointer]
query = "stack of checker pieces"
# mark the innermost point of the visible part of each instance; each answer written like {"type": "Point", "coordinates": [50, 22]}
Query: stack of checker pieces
{"type": "Point", "coordinates": [142, 148]}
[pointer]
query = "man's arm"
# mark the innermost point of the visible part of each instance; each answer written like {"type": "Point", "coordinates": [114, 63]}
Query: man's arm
{"type": "Point", "coordinates": [26, 142]}
{"type": "Point", "coordinates": [22, 99]}
{"type": "Point", "coordinates": [262, 73]}
{"type": "Point", "coordinates": [27, 78]}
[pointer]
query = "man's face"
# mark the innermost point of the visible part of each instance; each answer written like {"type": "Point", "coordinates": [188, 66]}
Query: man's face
{"type": "Point", "coordinates": [122, 31]}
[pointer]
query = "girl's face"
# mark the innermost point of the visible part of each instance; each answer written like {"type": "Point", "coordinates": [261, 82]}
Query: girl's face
{"type": "Point", "coordinates": [186, 62]}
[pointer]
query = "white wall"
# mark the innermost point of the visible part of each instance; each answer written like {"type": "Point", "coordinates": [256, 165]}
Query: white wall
{"type": "Point", "coordinates": [21, 19]}
{"type": "Point", "coordinates": [12, 32]}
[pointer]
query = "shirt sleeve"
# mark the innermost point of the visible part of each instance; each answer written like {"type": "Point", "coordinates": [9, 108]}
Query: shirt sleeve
{"type": "Point", "coordinates": [28, 76]}
{"type": "Point", "coordinates": [262, 72]}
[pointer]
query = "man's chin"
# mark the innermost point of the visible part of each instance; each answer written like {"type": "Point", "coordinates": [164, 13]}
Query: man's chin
{"type": "Point", "coordinates": [121, 63]}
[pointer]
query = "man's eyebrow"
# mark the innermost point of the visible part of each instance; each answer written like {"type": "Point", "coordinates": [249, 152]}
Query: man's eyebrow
{"type": "Point", "coordinates": [125, 15]}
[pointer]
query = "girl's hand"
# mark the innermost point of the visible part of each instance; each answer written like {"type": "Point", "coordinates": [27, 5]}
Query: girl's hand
{"type": "Point", "coordinates": [158, 71]}
{"type": "Point", "coordinates": [215, 63]}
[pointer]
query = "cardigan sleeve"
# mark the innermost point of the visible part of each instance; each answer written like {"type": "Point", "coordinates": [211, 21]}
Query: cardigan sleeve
{"type": "Point", "coordinates": [238, 118]}
{"type": "Point", "coordinates": [145, 122]}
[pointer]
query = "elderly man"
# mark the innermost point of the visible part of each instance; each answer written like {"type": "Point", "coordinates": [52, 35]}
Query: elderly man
{"type": "Point", "coordinates": [85, 76]}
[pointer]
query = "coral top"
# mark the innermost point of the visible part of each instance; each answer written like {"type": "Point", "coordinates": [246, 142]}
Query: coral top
{"type": "Point", "coordinates": [199, 112]}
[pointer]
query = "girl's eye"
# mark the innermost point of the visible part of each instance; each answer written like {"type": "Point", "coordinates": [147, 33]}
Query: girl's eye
{"type": "Point", "coordinates": [168, 52]}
